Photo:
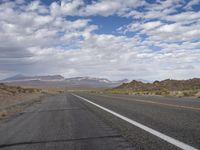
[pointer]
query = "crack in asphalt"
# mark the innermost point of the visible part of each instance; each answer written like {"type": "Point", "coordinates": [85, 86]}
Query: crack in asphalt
{"type": "Point", "coordinates": [59, 141]}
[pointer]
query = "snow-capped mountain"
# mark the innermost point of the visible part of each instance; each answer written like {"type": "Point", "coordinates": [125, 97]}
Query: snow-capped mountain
{"type": "Point", "coordinates": [89, 79]}
{"type": "Point", "coordinates": [58, 80]}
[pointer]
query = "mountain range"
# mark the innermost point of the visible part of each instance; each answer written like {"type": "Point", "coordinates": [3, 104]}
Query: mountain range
{"type": "Point", "coordinates": [60, 81]}
{"type": "Point", "coordinates": [20, 77]}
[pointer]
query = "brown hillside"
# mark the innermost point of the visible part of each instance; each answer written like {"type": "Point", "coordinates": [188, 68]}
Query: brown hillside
{"type": "Point", "coordinates": [10, 90]}
{"type": "Point", "coordinates": [170, 85]}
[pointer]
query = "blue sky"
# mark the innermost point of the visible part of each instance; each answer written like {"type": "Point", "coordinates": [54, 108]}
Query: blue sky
{"type": "Point", "coordinates": [107, 25]}
{"type": "Point", "coordinates": [134, 39]}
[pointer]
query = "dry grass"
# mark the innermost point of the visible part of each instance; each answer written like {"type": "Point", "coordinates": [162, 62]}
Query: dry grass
{"type": "Point", "coordinates": [183, 93]}
{"type": "Point", "coordinates": [7, 100]}
{"type": "Point", "coordinates": [178, 88]}
{"type": "Point", "coordinates": [198, 94]}
{"type": "Point", "coordinates": [13, 99]}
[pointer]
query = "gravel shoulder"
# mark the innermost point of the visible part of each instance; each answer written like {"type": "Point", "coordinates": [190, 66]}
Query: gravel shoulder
{"type": "Point", "coordinates": [11, 105]}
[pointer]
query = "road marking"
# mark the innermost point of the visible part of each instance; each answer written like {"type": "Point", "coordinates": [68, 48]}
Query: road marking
{"type": "Point", "coordinates": [143, 127]}
{"type": "Point", "coordinates": [157, 103]}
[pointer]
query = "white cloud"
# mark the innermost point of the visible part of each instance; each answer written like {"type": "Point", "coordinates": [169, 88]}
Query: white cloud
{"type": "Point", "coordinates": [102, 7]}
{"type": "Point", "coordinates": [66, 7]}
{"type": "Point", "coordinates": [171, 28]}
{"type": "Point", "coordinates": [35, 38]}
{"type": "Point", "coordinates": [151, 25]}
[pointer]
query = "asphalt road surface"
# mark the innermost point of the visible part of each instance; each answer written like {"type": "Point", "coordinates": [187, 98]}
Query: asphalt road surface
{"type": "Point", "coordinates": [62, 122]}
{"type": "Point", "coordinates": [178, 118]}
{"type": "Point", "coordinates": [69, 121]}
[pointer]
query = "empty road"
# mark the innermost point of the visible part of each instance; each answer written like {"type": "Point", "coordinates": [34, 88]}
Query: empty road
{"type": "Point", "coordinates": [62, 122]}
{"type": "Point", "coordinates": [106, 122]}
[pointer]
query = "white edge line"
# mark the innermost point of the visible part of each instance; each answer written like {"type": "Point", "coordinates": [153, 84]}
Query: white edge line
{"type": "Point", "coordinates": [143, 127]}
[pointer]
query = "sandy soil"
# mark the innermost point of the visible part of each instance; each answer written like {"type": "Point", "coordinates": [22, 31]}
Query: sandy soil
{"type": "Point", "coordinates": [7, 100]}
{"type": "Point", "coordinates": [13, 104]}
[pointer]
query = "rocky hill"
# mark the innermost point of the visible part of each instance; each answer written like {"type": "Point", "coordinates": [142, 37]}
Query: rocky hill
{"type": "Point", "coordinates": [189, 87]}
{"type": "Point", "coordinates": [191, 84]}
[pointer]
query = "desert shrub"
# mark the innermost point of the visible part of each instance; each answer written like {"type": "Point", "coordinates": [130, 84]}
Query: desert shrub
{"type": "Point", "coordinates": [197, 94]}
{"type": "Point", "coordinates": [13, 92]}
{"type": "Point", "coordinates": [31, 90]}
{"type": "Point", "coordinates": [2, 84]}
{"type": "Point", "coordinates": [162, 92]}
{"type": "Point", "coordinates": [3, 114]}
{"type": "Point", "coordinates": [186, 93]}
{"type": "Point", "coordinates": [158, 92]}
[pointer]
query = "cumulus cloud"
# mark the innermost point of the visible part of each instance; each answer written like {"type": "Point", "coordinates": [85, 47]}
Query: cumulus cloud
{"type": "Point", "coordinates": [40, 39]}
{"type": "Point", "coordinates": [170, 32]}
{"type": "Point", "coordinates": [103, 7]}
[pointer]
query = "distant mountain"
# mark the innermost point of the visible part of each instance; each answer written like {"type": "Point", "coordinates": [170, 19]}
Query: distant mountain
{"type": "Point", "coordinates": [89, 81]}
{"type": "Point", "coordinates": [16, 77]}
{"type": "Point", "coordinates": [20, 77]}
{"type": "Point", "coordinates": [122, 81]}
{"type": "Point", "coordinates": [60, 81]}
{"type": "Point", "coordinates": [142, 80]}
{"type": "Point", "coordinates": [170, 85]}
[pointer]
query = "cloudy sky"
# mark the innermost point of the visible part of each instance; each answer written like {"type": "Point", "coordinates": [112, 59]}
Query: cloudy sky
{"type": "Point", "coordinates": [115, 39]}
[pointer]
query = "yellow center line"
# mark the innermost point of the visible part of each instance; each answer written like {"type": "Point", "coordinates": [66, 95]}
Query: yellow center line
{"type": "Point", "coordinates": [171, 105]}
{"type": "Point", "coordinates": [157, 103]}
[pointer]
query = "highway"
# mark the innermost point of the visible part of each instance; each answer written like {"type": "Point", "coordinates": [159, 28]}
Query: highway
{"type": "Point", "coordinates": [105, 122]}
{"type": "Point", "coordinates": [59, 123]}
